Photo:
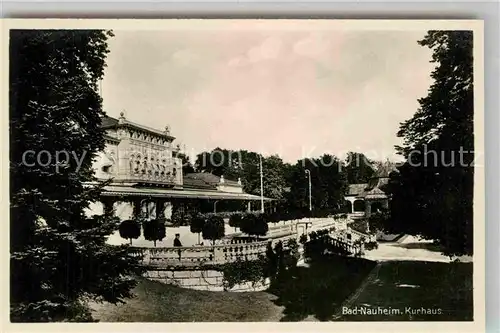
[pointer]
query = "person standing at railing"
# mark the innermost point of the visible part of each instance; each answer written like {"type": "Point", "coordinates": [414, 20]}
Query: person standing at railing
{"type": "Point", "coordinates": [177, 243]}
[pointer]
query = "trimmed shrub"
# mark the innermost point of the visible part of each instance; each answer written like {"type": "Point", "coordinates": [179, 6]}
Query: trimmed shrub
{"type": "Point", "coordinates": [254, 224]}
{"type": "Point", "coordinates": [154, 230]}
{"type": "Point", "coordinates": [213, 228]}
{"type": "Point", "coordinates": [130, 229]}
{"type": "Point", "coordinates": [196, 226]}
{"type": "Point", "coordinates": [235, 220]}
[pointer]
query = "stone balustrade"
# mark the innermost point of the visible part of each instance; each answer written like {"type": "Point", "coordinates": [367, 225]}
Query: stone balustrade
{"type": "Point", "coordinates": [199, 255]}
{"type": "Point", "coordinates": [237, 240]}
{"type": "Point", "coordinates": [232, 252]}
{"type": "Point", "coordinates": [359, 234]}
{"type": "Point", "coordinates": [231, 249]}
{"type": "Point", "coordinates": [169, 256]}
{"type": "Point", "coordinates": [346, 245]}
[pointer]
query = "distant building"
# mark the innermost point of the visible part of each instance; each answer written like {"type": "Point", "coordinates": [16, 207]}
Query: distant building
{"type": "Point", "coordinates": [363, 199]}
{"type": "Point", "coordinates": [147, 176]}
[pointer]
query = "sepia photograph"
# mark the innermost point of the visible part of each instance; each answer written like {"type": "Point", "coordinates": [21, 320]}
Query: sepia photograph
{"type": "Point", "coordinates": [246, 170]}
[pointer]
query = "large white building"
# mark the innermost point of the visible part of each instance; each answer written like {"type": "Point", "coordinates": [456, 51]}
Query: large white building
{"type": "Point", "coordinates": [147, 178]}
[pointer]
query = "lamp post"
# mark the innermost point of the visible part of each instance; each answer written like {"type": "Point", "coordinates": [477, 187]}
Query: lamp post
{"type": "Point", "coordinates": [308, 173]}
{"type": "Point", "coordinates": [215, 206]}
{"type": "Point", "coordinates": [261, 185]}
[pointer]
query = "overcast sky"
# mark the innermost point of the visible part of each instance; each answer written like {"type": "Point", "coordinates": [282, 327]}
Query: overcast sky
{"type": "Point", "coordinates": [297, 93]}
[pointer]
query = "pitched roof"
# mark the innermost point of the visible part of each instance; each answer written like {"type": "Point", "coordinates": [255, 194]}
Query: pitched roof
{"type": "Point", "coordinates": [109, 122]}
{"type": "Point", "coordinates": [356, 189]}
{"type": "Point", "coordinates": [375, 193]}
{"type": "Point", "coordinates": [114, 190]}
{"type": "Point", "coordinates": [197, 183]}
{"type": "Point", "coordinates": [209, 178]}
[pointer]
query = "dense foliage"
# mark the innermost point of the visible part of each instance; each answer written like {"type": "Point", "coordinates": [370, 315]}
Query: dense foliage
{"type": "Point", "coordinates": [288, 183]}
{"type": "Point", "coordinates": [57, 254]}
{"type": "Point", "coordinates": [433, 192]}
{"type": "Point", "coordinates": [328, 185]}
{"type": "Point", "coordinates": [242, 271]}
{"type": "Point", "coordinates": [254, 224]}
{"type": "Point", "coordinates": [274, 265]}
{"type": "Point", "coordinates": [359, 168]}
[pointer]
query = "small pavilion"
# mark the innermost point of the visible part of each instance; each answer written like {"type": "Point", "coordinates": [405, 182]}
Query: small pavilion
{"type": "Point", "coordinates": [363, 199]}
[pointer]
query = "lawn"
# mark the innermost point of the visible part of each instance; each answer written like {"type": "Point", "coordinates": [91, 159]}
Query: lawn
{"type": "Point", "coordinates": [157, 302]}
{"type": "Point", "coordinates": [313, 293]}
{"type": "Point", "coordinates": [320, 289]}
{"type": "Point", "coordinates": [317, 292]}
{"type": "Point", "coordinates": [426, 291]}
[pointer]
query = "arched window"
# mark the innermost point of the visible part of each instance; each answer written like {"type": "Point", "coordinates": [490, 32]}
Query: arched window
{"type": "Point", "coordinates": [348, 206]}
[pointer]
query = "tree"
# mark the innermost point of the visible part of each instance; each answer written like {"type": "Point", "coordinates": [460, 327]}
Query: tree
{"type": "Point", "coordinates": [213, 228]}
{"type": "Point", "coordinates": [130, 229]}
{"type": "Point", "coordinates": [245, 165]}
{"type": "Point", "coordinates": [378, 220]}
{"type": "Point", "coordinates": [154, 230]}
{"type": "Point", "coordinates": [220, 162]}
{"type": "Point", "coordinates": [328, 185]}
{"type": "Point", "coordinates": [57, 253]}
{"type": "Point", "coordinates": [273, 170]}
{"type": "Point", "coordinates": [433, 192]}
{"type": "Point", "coordinates": [235, 220]}
{"type": "Point", "coordinates": [359, 168]}
{"type": "Point", "coordinates": [197, 224]}
{"type": "Point", "coordinates": [254, 224]}
{"type": "Point", "coordinates": [187, 166]}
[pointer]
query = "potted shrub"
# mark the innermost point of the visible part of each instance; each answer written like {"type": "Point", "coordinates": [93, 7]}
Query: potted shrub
{"type": "Point", "coordinates": [154, 230]}
{"type": "Point", "coordinates": [130, 229]}
{"type": "Point", "coordinates": [235, 220]}
{"type": "Point", "coordinates": [254, 224]}
{"type": "Point", "coordinates": [213, 228]}
{"type": "Point", "coordinates": [196, 226]}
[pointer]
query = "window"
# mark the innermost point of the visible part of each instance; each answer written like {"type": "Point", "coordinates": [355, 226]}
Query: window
{"type": "Point", "coordinates": [359, 206]}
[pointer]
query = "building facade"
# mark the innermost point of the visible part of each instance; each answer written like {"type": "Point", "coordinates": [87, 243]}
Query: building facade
{"type": "Point", "coordinates": [364, 199]}
{"type": "Point", "coordinates": [146, 177]}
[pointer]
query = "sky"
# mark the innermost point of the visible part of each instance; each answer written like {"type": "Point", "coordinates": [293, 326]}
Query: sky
{"type": "Point", "coordinates": [297, 93]}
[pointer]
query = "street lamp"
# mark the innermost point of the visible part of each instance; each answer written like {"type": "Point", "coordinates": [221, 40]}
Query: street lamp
{"type": "Point", "coordinates": [261, 185]}
{"type": "Point", "coordinates": [308, 173]}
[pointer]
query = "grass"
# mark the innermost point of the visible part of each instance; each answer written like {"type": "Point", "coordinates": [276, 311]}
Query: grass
{"type": "Point", "coordinates": [157, 302]}
{"type": "Point", "coordinates": [320, 289]}
{"type": "Point", "coordinates": [444, 287]}
{"type": "Point", "coordinates": [304, 293]}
